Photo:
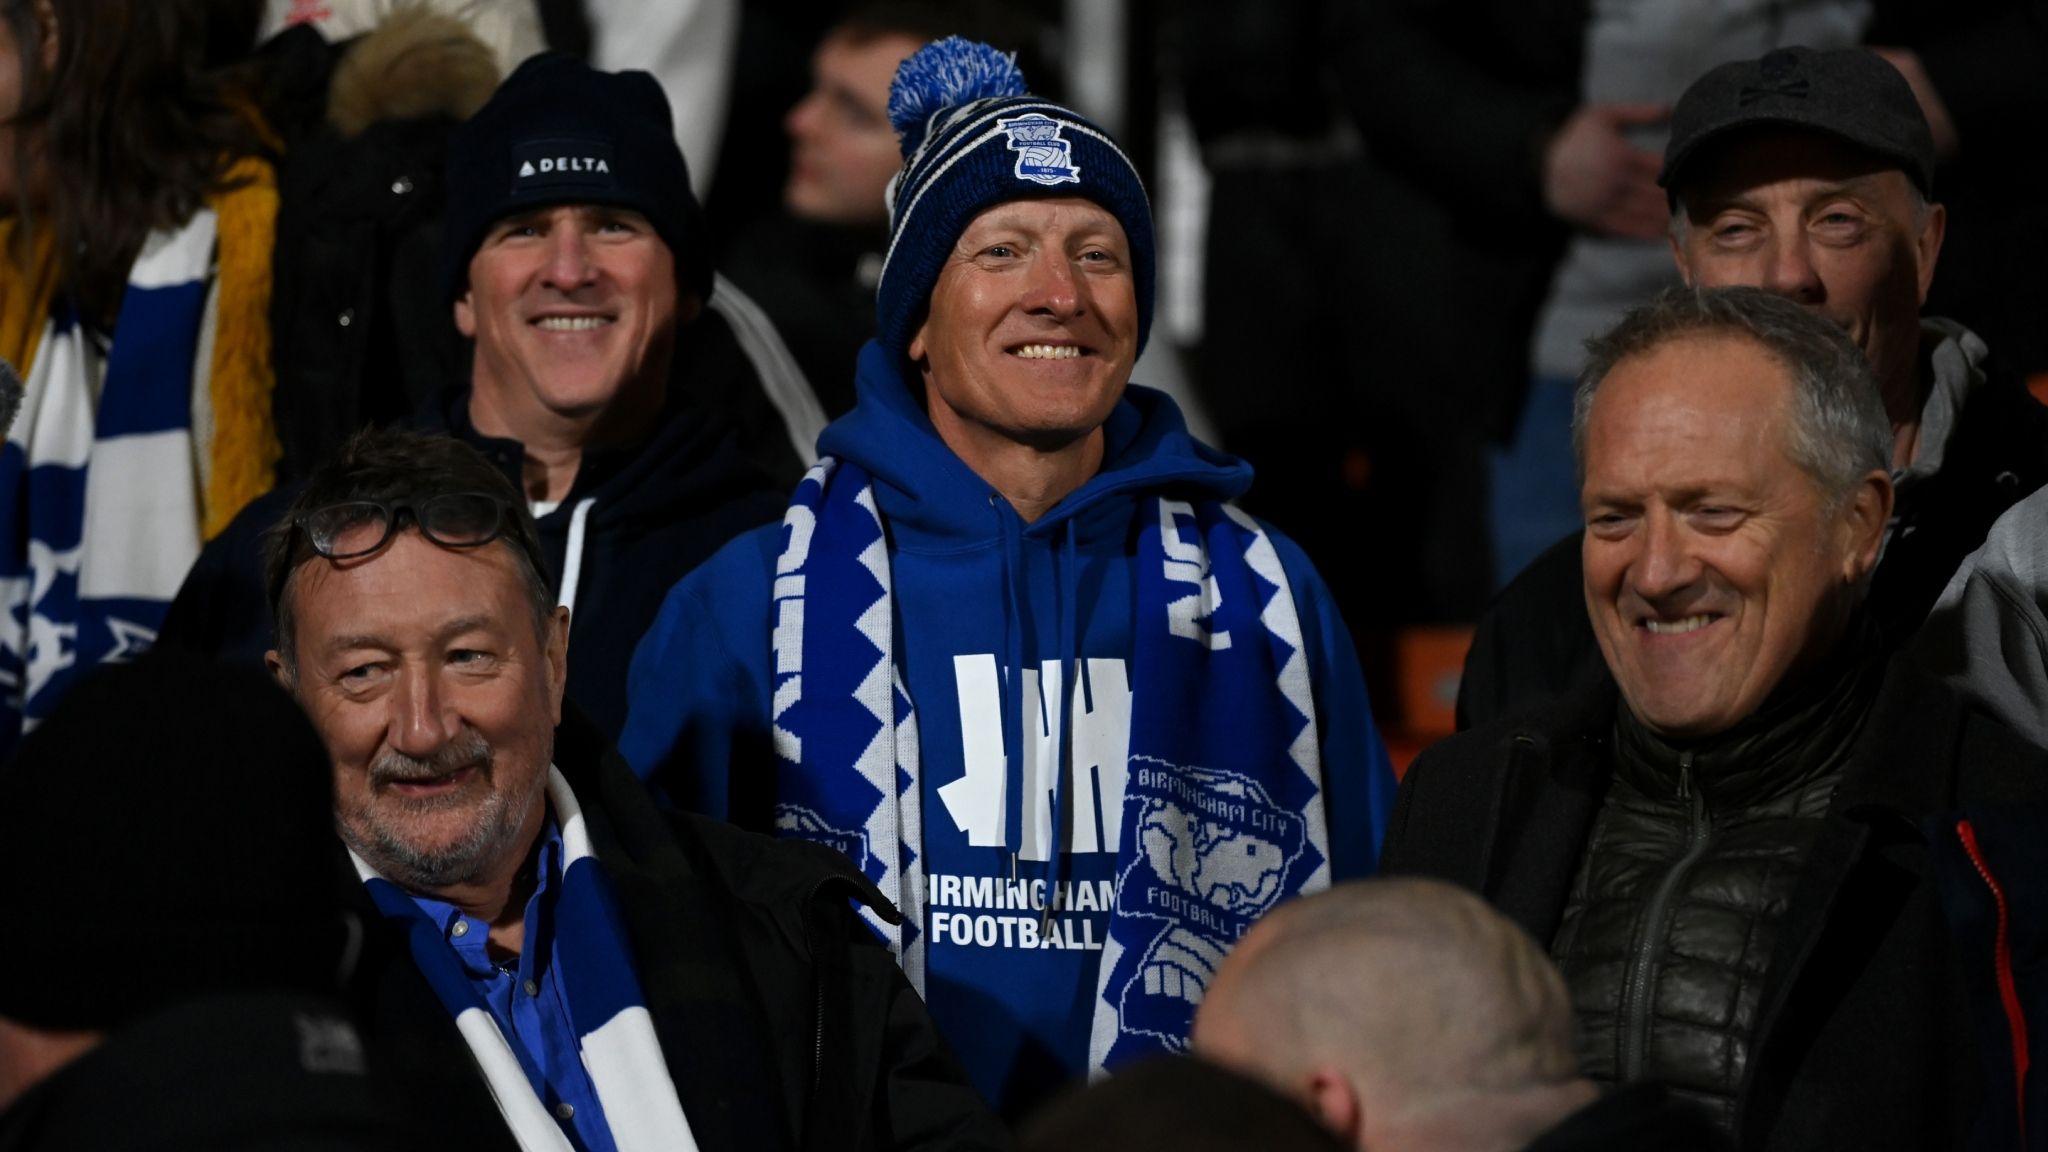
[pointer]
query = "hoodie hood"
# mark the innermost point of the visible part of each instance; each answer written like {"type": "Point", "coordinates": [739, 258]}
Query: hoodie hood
{"type": "Point", "coordinates": [933, 500]}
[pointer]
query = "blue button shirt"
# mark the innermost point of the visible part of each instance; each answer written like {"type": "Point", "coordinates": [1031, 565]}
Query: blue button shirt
{"type": "Point", "coordinates": [525, 995]}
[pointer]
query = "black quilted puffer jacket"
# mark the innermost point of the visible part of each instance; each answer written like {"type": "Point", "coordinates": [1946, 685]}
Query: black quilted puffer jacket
{"type": "Point", "coordinates": [1681, 897]}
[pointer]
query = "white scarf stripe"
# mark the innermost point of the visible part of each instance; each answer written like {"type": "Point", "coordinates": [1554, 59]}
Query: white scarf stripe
{"type": "Point", "coordinates": [623, 1056]}
{"type": "Point", "coordinates": [136, 529]}
{"type": "Point", "coordinates": [168, 259]}
{"type": "Point", "coordinates": [1281, 619]}
{"type": "Point", "coordinates": [910, 818]}
{"type": "Point", "coordinates": [877, 693]}
{"type": "Point", "coordinates": [54, 426]}
{"type": "Point", "coordinates": [524, 1114]}
{"type": "Point", "coordinates": [139, 541]}
{"type": "Point", "coordinates": [625, 1063]}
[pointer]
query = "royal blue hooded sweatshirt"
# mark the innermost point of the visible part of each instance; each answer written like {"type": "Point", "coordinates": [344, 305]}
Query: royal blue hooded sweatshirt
{"type": "Point", "coordinates": [1015, 1005]}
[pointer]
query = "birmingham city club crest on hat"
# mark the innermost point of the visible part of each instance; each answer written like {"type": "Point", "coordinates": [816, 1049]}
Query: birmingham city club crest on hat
{"type": "Point", "coordinates": [1043, 155]}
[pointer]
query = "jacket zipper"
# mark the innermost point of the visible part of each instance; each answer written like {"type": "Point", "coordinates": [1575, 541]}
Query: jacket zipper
{"type": "Point", "coordinates": [817, 986]}
{"type": "Point", "coordinates": [2008, 988]}
{"type": "Point", "coordinates": [1635, 1031]}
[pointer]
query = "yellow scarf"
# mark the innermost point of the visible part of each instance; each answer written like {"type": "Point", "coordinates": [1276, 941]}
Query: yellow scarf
{"type": "Point", "coordinates": [25, 293]}
{"type": "Point", "coordinates": [245, 444]}
{"type": "Point", "coordinates": [245, 448]}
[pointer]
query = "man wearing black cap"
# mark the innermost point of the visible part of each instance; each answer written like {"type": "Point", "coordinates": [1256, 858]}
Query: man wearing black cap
{"type": "Point", "coordinates": [1810, 174]}
{"type": "Point", "coordinates": [646, 409]}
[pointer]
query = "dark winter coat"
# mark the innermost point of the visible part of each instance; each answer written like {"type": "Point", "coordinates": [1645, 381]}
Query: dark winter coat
{"type": "Point", "coordinates": [241, 1071]}
{"type": "Point", "coordinates": [1632, 1118]}
{"type": "Point", "coordinates": [1868, 1033]}
{"type": "Point", "coordinates": [783, 1023]}
{"type": "Point", "coordinates": [361, 333]}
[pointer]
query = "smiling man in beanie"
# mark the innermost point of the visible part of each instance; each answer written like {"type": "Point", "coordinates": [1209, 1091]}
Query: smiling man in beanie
{"type": "Point", "coordinates": [175, 957]}
{"type": "Point", "coordinates": [646, 409]}
{"type": "Point", "coordinates": [1012, 648]}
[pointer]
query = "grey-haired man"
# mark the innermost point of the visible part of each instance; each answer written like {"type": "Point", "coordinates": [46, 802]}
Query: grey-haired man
{"type": "Point", "coordinates": [1739, 836]}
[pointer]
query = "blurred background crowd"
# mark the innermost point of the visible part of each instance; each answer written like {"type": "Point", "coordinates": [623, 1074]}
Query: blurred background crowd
{"type": "Point", "coordinates": [1386, 227]}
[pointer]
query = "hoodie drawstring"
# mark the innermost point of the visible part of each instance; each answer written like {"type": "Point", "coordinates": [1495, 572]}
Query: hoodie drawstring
{"type": "Point", "coordinates": [1064, 690]}
{"type": "Point", "coordinates": [1070, 691]}
{"type": "Point", "coordinates": [572, 555]}
{"type": "Point", "coordinates": [1013, 682]}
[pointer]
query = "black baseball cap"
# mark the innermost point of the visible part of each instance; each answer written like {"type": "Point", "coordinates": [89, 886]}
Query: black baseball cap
{"type": "Point", "coordinates": [1849, 93]}
{"type": "Point", "coordinates": [558, 131]}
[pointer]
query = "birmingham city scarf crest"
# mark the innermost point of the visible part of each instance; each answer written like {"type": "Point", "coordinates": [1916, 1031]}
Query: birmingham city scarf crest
{"type": "Point", "coordinates": [1222, 814]}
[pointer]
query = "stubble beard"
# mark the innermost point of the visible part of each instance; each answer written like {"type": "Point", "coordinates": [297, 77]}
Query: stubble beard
{"type": "Point", "coordinates": [384, 840]}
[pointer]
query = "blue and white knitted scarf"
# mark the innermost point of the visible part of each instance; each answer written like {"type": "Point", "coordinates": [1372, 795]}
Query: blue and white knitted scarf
{"type": "Point", "coordinates": [1222, 811]}
{"type": "Point", "coordinates": [100, 480]}
{"type": "Point", "coordinates": [615, 1033]}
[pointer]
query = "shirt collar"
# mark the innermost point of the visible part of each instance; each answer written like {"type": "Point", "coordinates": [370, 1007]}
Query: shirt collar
{"type": "Point", "coordinates": [469, 937]}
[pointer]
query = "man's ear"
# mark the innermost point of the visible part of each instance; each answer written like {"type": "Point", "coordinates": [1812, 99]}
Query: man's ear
{"type": "Point", "coordinates": [278, 671]}
{"type": "Point", "coordinates": [916, 349]}
{"type": "Point", "coordinates": [1678, 256]}
{"type": "Point", "coordinates": [1865, 512]}
{"type": "Point", "coordinates": [1335, 1103]}
{"type": "Point", "coordinates": [557, 640]}
{"type": "Point", "coordinates": [1927, 245]}
{"type": "Point", "coordinates": [465, 316]}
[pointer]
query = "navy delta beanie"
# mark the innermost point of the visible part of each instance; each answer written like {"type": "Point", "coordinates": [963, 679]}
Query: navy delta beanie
{"type": "Point", "coordinates": [558, 131]}
{"type": "Point", "coordinates": [972, 138]}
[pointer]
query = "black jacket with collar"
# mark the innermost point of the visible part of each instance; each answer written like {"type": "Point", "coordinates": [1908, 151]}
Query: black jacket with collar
{"type": "Point", "coordinates": [784, 1024]}
{"type": "Point", "coordinates": [1864, 1036]}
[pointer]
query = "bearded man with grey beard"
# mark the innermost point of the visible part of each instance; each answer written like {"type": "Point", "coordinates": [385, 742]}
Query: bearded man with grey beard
{"type": "Point", "coordinates": [496, 819]}
{"type": "Point", "coordinates": [552, 962]}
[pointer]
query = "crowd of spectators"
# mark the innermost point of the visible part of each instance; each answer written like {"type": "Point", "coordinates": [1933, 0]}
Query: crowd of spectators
{"type": "Point", "coordinates": [589, 575]}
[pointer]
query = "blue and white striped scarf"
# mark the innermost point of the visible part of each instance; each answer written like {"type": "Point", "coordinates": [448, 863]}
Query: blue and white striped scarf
{"type": "Point", "coordinates": [616, 1036]}
{"type": "Point", "coordinates": [1223, 812]}
{"type": "Point", "coordinates": [100, 480]}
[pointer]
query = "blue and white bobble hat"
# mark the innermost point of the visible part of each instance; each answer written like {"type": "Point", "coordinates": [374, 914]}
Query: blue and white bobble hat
{"type": "Point", "coordinates": [974, 137]}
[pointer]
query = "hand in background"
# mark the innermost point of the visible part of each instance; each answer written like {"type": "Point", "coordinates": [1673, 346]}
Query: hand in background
{"type": "Point", "coordinates": [1594, 179]}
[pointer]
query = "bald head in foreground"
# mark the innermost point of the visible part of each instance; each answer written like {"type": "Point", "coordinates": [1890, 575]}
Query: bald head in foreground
{"type": "Point", "coordinates": [1408, 1014]}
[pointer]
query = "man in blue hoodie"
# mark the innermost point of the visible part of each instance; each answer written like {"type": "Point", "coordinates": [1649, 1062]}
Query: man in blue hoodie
{"type": "Point", "coordinates": [1012, 650]}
